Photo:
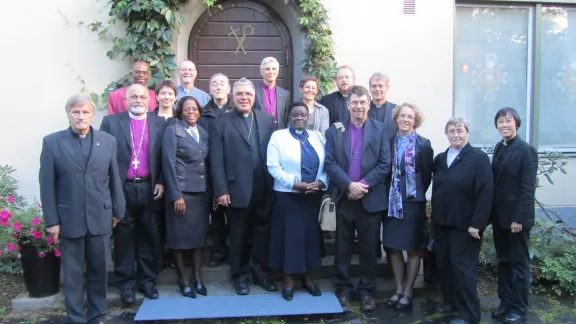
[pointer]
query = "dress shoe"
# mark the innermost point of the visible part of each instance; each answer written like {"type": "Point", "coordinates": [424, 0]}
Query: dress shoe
{"type": "Point", "coordinates": [199, 287]}
{"type": "Point", "coordinates": [312, 289]}
{"type": "Point", "coordinates": [287, 293]}
{"type": "Point", "coordinates": [127, 297]}
{"type": "Point", "coordinates": [500, 312]}
{"type": "Point", "coordinates": [401, 305]}
{"type": "Point", "coordinates": [150, 292]}
{"type": "Point", "coordinates": [446, 309]}
{"type": "Point", "coordinates": [368, 303]}
{"type": "Point", "coordinates": [241, 288]}
{"type": "Point", "coordinates": [343, 300]}
{"type": "Point", "coordinates": [186, 290]}
{"type": "Point", "coordinates": [266, 284]}
{"type": "Point", "coordinates": [459, 321]}
{"type": "Point", "coordinates": [513, 318]}
{"type": "Point", "coordinates": [391, 302]}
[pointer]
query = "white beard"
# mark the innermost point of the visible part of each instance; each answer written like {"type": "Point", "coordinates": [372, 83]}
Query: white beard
{"type": "Point", "coordinates": [137, 110]}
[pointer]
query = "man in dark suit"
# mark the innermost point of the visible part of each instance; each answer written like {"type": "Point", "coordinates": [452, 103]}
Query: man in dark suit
{"type": "Point", "coordinates": [238, 146]}
{"type": "Point", "coordinates": [336, 101]}
{"type": "Point", "coordinates": [136, 238]}
{"type": "Point", "coordinates": [358, 177]}
{"type": "Point", "coordinates": [270, 97]}
{"type": "Point", "coordinates": [380, 107]}
{"type": "Point", "coordinates": [515, 167]}
{"type": "Point", "coordinates": [82, 200]}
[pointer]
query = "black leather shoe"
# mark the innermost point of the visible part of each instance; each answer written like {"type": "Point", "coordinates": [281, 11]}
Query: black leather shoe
{"type": "Point", "coordinates": [241, 288]}
{"type": "Point", "coordinates": [513, 318]}
{"type": "Point", "coordinates": [150, 292]}
{"type": "Point", "coordinates": [500, 312]}
{"type": "Point", "coordinates": [400, 305]}
{"type": "Point", "coordinates": [459, 321]}
{"type": "Point", "coordinates": [199, 287]}
{"type": "Point", "coordinates": [312, 290]}
{"type": "Point", "coordinates": [127, 297]}
{"type": "Point", "coordinates": [391, 302]}
{"type": "Point", "coordinates": [266, 285]}
{"type": "Point", "coordinates": [186, 290]}
{"type": "Point", "coordinates": [446, 309]}
{"type": "Point", "coordinates": [287, 293]}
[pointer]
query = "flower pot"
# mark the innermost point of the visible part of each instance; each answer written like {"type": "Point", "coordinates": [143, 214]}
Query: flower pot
{"type": "Point", "coordinates": [41, 275]}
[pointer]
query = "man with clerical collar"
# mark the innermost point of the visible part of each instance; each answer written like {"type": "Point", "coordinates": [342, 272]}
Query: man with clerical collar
{"type": "Point", "coordinates": [270, 97]}
{"type": "Point", "coordinates": [358, 168]}
{"type": "Point", "coordinates": [187, 73]}
{"type": "Point", "coordinates": [336, 101]}
{"type": "Point", "coordinates": [221, 103]}
{"type": "Point", "coordinates": [82, 200]}
{"type": "Point", "coordinates": [238, 149]}
{"type": "Point", "coordinates": [380, 107]}
{"type": "Point", "coordinates": [140, 75]}
{"type": "Point", "coordinates": [136, 238]}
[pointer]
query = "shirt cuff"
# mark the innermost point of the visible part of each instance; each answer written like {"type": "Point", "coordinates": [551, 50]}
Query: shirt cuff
{"type": "Point", "coordinates": [364, 182]}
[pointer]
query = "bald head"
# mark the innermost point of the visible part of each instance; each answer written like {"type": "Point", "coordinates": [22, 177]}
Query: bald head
{"type": "Point", "coordinates": [137, 99]}
{"type": "Point", "coordinates": [187, 73]}
{"type": "Point", "coordinates": [140, 73]}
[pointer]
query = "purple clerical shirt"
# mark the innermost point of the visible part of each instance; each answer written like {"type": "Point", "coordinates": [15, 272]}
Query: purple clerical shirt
{"type": "Point", "coordinates": [269, 95]}
{"type": "Point", "coordinates": [355, 164]}
{"type": "Point", "coordinates": [143, 167]}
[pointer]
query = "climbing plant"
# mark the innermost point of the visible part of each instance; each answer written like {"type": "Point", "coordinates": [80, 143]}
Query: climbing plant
{"type": "Point", "coordinates": [150, 26]}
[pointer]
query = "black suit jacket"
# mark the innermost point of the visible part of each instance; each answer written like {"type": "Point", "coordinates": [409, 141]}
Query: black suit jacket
{"type": "Point", "coordinates": [185, 161]}
{"type": "Point", "coordinates": [283, 101]}
{"type": "Point", "coordinates": [424, 165]}
{"type": "Point", "coordinates": [118, 125]}
{"type": "Point", "coordinates": [389, 124]}
{"type": "Point", "coordinates": [515, 183]}
{"type": "Point", "coordinates": [375, 164]}
{"type": "Point", "coordinates": [462, 194]}
{"type": "Point", "coordinates": [231, 158]}
{"type": "Point", "coordinates": [329, 101]}
{"type": "Point", "coordinates": [80, 198]}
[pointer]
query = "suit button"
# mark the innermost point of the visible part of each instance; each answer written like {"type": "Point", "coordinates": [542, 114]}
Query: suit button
{"type": "Point", "coordinates": [202, 164]}
{"type": "Point", "coordinates": [201, 176]}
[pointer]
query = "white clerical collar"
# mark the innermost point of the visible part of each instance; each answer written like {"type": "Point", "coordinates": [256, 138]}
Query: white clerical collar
{"type": "Point", "coordinates": [137, 117]}
{"type": "Point", "coordinates": [245, 115]}
{"type": "Point", "coordinates": [82, 135]}
{"type": "Point", "coordinates": [187, 89]}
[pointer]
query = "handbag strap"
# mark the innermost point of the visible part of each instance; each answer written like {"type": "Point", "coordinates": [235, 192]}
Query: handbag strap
{"type": "Point", "coordinates": [339, 149]}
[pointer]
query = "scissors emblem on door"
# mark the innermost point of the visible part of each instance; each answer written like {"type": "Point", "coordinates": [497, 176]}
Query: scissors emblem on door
{"type": "Point", "coordinates": [247, 30]}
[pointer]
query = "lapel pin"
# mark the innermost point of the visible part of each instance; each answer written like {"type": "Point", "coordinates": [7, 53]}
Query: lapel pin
{"type": "Point", "coordinates": [97, 143]}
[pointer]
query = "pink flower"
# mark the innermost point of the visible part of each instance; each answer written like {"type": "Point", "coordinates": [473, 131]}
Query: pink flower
{"type": "Point", "coordinates": [17, 226]}
{"type": "Point", "coordinates": [10, 247]}
{"type": "Point", "coordinates": [36, 234]}
{"type": "Point", "coordinates": [51, 239]}
{"type": "Point", "coordinates": [15, 235]}
{"type": "Point", "coordinates": [11, 199]}
{"type": "Point", "coordinates": [5, 215]}
{"type": "Point", "coordinates": [6, 223]}
{"type": "Point", "coordinates": [57, 253]}
{"type": "Point", "coordinates": [41, 254]}
{"type": "Point", "coordinates": [36, 221]}
{"type": "Point", "coordinates": [18, 256]}
{"type": "Point", "coordinates": [1, 252]}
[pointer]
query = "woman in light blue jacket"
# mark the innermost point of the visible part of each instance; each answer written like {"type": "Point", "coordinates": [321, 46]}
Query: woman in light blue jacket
{"type": "Point", "coordinates": [296, 162]}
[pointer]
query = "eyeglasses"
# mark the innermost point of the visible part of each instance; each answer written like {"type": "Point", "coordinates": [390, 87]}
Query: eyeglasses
{"type": "Point", "coordinates": [242, 94]}
{"type": "Point", "coordinates": [359, 103]}
{"type": "Point", "coordinates": [456, 131]}
{"type": "Point", "coordinates": [409, 117]}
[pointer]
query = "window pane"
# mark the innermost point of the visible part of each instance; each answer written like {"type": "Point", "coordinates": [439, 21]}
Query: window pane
{"type": "Point", "coordinates": [558, 80]}
{"type": "Point", "coordinates": [491, 66]}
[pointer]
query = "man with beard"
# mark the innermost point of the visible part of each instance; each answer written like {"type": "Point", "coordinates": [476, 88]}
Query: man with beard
{"type": "Point", "coordinates": [271, 98]}
{"type": "Point", "coordinates": [380, 108]}
{"type": "Point", "coordinates": [136, 238]}
{"type": "Point", "coordinates": [221, 103]}
{"type": "Point", "coordinates": [238, 150]}
{"type": "Point", "coordinates": [187, 73]}
{"type": "Point", "coordinates": [336, 102]}
{"type": "Point", "coordinates": [140, 75]}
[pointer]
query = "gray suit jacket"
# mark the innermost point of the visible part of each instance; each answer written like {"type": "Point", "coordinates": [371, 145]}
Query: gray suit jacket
{"type": "Point", "coordinates": [282, 103]}
{"type": "Point", "coordinates": [81, 199]}
{"type": "Point", "coordinates": [184, 161]}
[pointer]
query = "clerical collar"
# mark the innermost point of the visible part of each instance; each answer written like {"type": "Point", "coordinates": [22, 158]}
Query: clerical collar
{"type": "Point", "coordinates": [79, 135]}
{"type": "Point", "coordinates": [356, 126]}
{"type": "Point", "coordinates": [187, 89]}
{"type": "Point", "coordinates": [137, 117]}
{"type": "Point", "coordinates": [245, 115]}
{"type": "Point", "coordinates": [269, 87]}
{"type": "Point", "coordinates": [379, 106]}
{"type": "Point", "coordinates": [510, 141]}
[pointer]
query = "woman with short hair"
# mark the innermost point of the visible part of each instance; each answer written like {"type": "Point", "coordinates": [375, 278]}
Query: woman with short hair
{"type": "Point", "coordinates": [318, 115]}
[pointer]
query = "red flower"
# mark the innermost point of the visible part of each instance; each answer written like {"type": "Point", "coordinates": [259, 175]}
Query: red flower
{"type": "Point", "coordinates": [15, 235]}
{"type": "Point", "coordinates": [10, 247]}
{"type": "Point", "coordinates": [6, 223]}
{"type": "Point", "coordinates": [17, 226]}
{"type": "Point", "coordinates": [41, 254]}
{"type": "Point", "coordinates": [36, 221]}
{"type": "Point", "coordinates": [1, 252]}
{"type": "Point", "coordinates": [57, 253]}
{"type": "Point", "coordinates": [5, 215]}
{"type": "Point", "coordinates": [10, 199]}
{"type": "Point", "coordinates": [36, 234]}
{"type": "Point", "coordinates": [51, 239]}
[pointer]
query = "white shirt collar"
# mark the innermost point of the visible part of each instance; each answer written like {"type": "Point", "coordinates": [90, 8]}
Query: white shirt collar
{"type": "Point", "coordinates": [137, 117]}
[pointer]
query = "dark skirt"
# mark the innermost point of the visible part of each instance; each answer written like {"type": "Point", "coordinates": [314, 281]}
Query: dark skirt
{"type": "Point", "coordinates": [407, 233]}
{"type": "Point", "coordinates": [294, 235]}
{"type": "Point", "coordinates": [188, 231]}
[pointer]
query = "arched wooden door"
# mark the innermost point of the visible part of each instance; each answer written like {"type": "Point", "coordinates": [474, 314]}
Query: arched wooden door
{"type": "Point", "coordinates": [233, 40]}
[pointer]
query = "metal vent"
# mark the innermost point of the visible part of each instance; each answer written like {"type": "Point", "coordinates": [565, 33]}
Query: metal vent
{"type": "Point", "coordinates": [409, 7]}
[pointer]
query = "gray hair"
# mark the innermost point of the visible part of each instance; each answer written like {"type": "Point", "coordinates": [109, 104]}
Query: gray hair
{"type": "Point", "coordinates": [79, 99]}
{"type": "Point", "coordinates": [455, 121]}
{"type": "Point", "coordinates": [379, 76]}
{"type": "Point", "coordinates": [267, 60]}
{"type": "Point", "coordinates": [219, 75]}
{"type": "Point", "coordinates": [241, 82]}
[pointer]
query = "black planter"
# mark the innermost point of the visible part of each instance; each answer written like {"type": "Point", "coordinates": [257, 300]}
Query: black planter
{"type": "Point", "coordinates": [42, 275]}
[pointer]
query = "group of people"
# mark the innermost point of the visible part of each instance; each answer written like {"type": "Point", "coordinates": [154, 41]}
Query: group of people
{"type": "Point", "coordinates": [168, 162]}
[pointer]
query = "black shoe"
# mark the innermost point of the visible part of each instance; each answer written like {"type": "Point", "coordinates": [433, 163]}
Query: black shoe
{"type": "Point", "coordinates": [513, 318]}
{"type": "Point", "coordinates": [241, 288]}
{"type": "Point", "coordinates": [127, 297]}
{"type": "Point", "coordinates": [312, 289]}
{"type": "Point", "coordinates": [446, 309]}
{"type": "Point", "coordinates": [500, 312]}
{"type": "Point", "coordinates": [150, 292]}
{"type": "Point", "coordinates": [400, 305]}
{"type": "Point", "coordinates": [287, 293]}
{"type": "Point", "coordinates": [199, 287]}
{"type": "Point", "coordinates": [266, 284]}
{"type": "Point", "coordinates": [392, 303]}
{"type": "Point", "coordinates": [186, 290]}
{"type": "Point", "coordinates": [459, 321]}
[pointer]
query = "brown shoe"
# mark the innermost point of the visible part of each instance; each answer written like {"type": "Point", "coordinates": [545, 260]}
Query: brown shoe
{"type": "Point", "coordinates": [344, 303]}
{"type": "Point", "coordinates": [368, 303]}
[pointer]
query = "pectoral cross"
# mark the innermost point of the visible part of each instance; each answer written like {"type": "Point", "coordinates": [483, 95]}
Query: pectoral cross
{"type": "Point", "coordinates": [354, 154]}
{"type": "Point", "coordinates": [135, 162]}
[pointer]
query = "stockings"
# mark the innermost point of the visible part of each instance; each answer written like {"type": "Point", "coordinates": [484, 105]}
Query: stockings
{"type": "Point", "coordinates": [405, 273]}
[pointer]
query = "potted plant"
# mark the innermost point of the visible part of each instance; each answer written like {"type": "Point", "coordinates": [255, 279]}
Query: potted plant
{"type": "Point", "coordinates": [22, 235]}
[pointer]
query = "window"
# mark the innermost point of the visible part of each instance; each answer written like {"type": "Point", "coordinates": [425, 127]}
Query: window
{"type": "Point", "coordinates": [499, 62]}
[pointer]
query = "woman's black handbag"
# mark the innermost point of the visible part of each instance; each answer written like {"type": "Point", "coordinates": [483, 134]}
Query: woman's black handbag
{"type": "Point", "coordinates": [430, 272]}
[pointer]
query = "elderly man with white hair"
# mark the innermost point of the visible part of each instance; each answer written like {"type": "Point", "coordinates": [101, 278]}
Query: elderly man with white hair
{"type": "Point", "coordinates": [270, 97]}
{"type": "Point", "coordinates": [187, 73]}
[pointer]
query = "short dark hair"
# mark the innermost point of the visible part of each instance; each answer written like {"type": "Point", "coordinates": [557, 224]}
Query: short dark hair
{"type": "Point", "coordinates": [360, 91]}
{"type": "Point", "coordinates": [310, 78]}
{"type": "Point", "coordinates": [508, 112]}
{"type": "Point", "coordinates": [166, 84]}
{"type": "Point", "coordinates": [178, 112]}
{"type": "Point", "coordinates": [297, 104]}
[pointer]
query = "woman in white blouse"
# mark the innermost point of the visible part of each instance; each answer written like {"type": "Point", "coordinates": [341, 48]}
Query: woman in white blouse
{"type": "Point", "coordinates": [296, 162]}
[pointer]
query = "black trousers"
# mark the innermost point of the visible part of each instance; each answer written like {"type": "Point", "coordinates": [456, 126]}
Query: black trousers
{"type": "Point", "coordinates": [350, 216]}
{"type": "Point", "coordinates": [457, 256]}
{"type": "Point", "coordinates": [137, 239]}
{"type": "Point", "coordinates": [219, 248]}
{"type": "Point", "coordinates": [513, 252]}
{"type": "Point", "coordinates": [84, 270]}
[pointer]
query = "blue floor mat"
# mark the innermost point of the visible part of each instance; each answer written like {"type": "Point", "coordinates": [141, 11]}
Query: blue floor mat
{"type": "Point", "coordinates": [178, 308]}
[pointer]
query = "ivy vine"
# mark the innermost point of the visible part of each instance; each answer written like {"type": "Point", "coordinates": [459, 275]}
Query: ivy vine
{"type": "Point", "coordinates": [150, 34]}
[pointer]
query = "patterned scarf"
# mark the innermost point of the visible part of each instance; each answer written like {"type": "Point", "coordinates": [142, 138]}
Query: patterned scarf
{"type": "Point", "coordinates": [395, 198]}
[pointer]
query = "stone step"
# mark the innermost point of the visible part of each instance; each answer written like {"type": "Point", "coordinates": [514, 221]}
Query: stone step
{"type": "Point", "coordinates": [23, 302]}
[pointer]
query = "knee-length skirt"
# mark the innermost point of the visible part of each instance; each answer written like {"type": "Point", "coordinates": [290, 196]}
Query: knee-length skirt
{"type": "Point", "coordinates": [407, 233]}
{"type": "Point", "coordinates": [188, 230]}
